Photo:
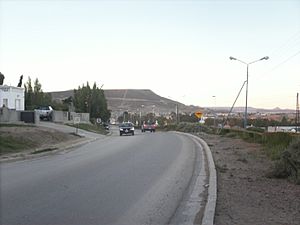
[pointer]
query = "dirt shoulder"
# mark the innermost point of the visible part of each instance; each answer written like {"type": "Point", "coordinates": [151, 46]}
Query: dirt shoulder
{"type": "Point", "coordinates": [246, 196]}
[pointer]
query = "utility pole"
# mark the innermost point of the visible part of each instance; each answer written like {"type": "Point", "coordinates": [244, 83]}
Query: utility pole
{"type": "Point", "coordinates": [297, 120]}
{"type": "Point", "coordinates": [177, 117]}
{"type": "Point", "coordinates": [232, 106]}
{"type": "Point", "coordinates": [215, 113]}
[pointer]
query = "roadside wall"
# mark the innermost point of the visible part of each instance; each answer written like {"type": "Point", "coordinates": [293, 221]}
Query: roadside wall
{"type": "Point", "coordinates": [9, 115]}
{"type": "Point", "coordinates": [60, 116]}
{"type": "Point", "coordinates": [84, 117]}
{"type": "Point", "coordinates": [13, 116]}
{"type": "Point", "coordinates": [68, 117]}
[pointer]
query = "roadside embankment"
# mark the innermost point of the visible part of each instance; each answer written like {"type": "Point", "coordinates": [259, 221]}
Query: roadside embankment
{"type": "Point", "coordinates": [20, 141]}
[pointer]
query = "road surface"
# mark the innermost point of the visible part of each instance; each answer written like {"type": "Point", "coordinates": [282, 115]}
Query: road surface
{"type": "Point", "coordinates": [123, 180]}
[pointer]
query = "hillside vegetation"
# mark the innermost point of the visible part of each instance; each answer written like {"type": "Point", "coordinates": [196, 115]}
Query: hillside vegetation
{"type": "Point", "coordinates": [282, 148]}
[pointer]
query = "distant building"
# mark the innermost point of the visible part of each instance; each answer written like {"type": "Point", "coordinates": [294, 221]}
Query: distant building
{"type": "Point", "coordinates": [12, 97]}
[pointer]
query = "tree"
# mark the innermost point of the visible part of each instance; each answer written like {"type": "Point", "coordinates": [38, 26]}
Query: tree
{"type": "Point", "coordinates": [1, 78]}
{"type": "Point", "coordinates": [91, 101]}
{"type": "Point", "coordinates": [35, 96]}
{"type": "Point", "coordinates": [28, 94]}
{"type": "Point", "coordinates": [284, 121]}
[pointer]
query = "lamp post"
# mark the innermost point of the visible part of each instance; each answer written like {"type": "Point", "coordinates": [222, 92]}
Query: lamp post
{"type": "Point", "coordinates": [215, 101]}
{"type": "Point", "coordinates": [246, 107]}
{"type": "Point", "coordinates": [142, 106]}
{"type": "Point", "coordinates": [153, 110]}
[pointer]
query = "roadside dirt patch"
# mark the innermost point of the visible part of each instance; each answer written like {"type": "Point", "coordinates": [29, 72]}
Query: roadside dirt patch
{"type": "Point", "coordinates": [33, 138]}
{"type": "Point", "coordinates": [246, 196]}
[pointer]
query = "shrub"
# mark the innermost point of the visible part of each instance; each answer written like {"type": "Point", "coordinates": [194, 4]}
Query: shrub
{"type": "Point", "coordinates": [256, 129]}
{"type": "Point", "coordinates": [288, 166]}
{"type": "Point", "coordinates": [276, 143]}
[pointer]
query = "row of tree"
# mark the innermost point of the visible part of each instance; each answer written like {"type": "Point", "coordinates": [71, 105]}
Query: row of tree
{"type": "Point", "coordinates": [91, 100]}
{"type": "Point", "coordinates": [172, 118]}
{"type": "Point", "coordinates": [34, 95]}
{"type": "Point", "coordinates": [85, 100]}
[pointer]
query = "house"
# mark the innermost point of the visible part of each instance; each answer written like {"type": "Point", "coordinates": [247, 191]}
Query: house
{"type": "Point", "coordinates": [12, 97]}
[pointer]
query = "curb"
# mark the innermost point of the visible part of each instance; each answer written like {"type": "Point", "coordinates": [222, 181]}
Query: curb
{"type": "Point", "coordinates": [209, 210]}
{"type": "Point", "coordinates": [209, 213]}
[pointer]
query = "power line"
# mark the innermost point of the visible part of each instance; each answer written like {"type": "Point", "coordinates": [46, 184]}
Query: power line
{"type": "Point", "coordinates": [283, 62]}
{"type": "Point", "coordinates": [278, 51]}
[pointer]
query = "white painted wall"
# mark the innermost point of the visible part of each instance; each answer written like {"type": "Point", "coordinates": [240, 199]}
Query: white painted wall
{"type": "Point", "coordinates": [12, 97]}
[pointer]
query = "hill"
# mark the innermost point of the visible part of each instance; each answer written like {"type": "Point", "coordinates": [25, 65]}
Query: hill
{"type": "Point", "coordinates": [134, 100]}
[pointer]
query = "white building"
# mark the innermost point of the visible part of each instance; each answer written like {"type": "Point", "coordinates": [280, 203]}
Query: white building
{"type": "Point", "coordinates": [12, 97]}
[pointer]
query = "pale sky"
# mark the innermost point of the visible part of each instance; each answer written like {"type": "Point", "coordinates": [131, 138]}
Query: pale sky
{"type": "Point", "coordinates": [178, 49]}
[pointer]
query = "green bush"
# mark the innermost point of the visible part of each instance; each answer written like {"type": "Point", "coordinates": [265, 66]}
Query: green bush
{"type": "Point", "coordinates": [252, 136]}
{"type": "Point", "coordinates": [282, 147]}
{"type": "Point", "coordinates": [271, 139]}
{"type": "Point", "coordinates": [288, 165]}
{"type": "Point", "coordinates": [187, 127]}
{"type": "Point", "coordinates": [224, 131]}
{"type": "Point", "coordinates": [276, 143]}
{"type": "Point", "coordinates": [256, 129]}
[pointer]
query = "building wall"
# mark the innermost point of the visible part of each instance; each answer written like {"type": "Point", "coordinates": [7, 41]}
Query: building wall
{"type": "Point", "coordinates": [12, 97]}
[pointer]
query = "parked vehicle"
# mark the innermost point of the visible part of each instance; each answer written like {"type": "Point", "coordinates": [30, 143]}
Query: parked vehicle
{"type": "Point", "coordinates": [106, 126]}
{"type": "Point", "coordinates": [45, 112]}
{"type": "Point", "coordinates": [148, 127]}
{"type": "Point", "coordinates": [126, 128]}
{"type": "Point", "coordinates": [295, 129]}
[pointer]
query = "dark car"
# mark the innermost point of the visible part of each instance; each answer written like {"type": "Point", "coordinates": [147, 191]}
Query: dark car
{"type": "Point", "coordinates": [148, 127]}
{"type": "Point", "coordinates": [126, 128]}
{"type": "Point", "coordinates": [106, 126]}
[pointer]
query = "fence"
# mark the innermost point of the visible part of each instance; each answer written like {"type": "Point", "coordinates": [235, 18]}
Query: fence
{"type": "Point", "coordinates": [13, 116]}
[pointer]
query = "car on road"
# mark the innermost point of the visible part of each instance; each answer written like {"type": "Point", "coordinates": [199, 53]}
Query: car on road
{"type": "Point", "coordinates": [148, 126]}
{"type": "Point", "coordinates": [45, 112]}
{"type": "Point", "coordinates": [126, 128]}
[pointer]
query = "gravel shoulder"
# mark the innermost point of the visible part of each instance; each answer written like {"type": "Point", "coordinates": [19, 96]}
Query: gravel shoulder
{"type": "Point", "coordinates": [246, 195]}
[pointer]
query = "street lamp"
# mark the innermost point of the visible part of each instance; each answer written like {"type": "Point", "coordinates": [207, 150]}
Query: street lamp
{"type": "Point", "coordinates": [215, 100]}
{"type": "Point", "coordinates": [153, 107]}
{"type": "Point", "coordinates": [232, 58]}
{"type": "Point", "coordinates": [142, 106]}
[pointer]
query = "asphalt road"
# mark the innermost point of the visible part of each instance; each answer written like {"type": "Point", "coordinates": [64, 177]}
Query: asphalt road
{"type": "Point", "coordinates": [124, 180]}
